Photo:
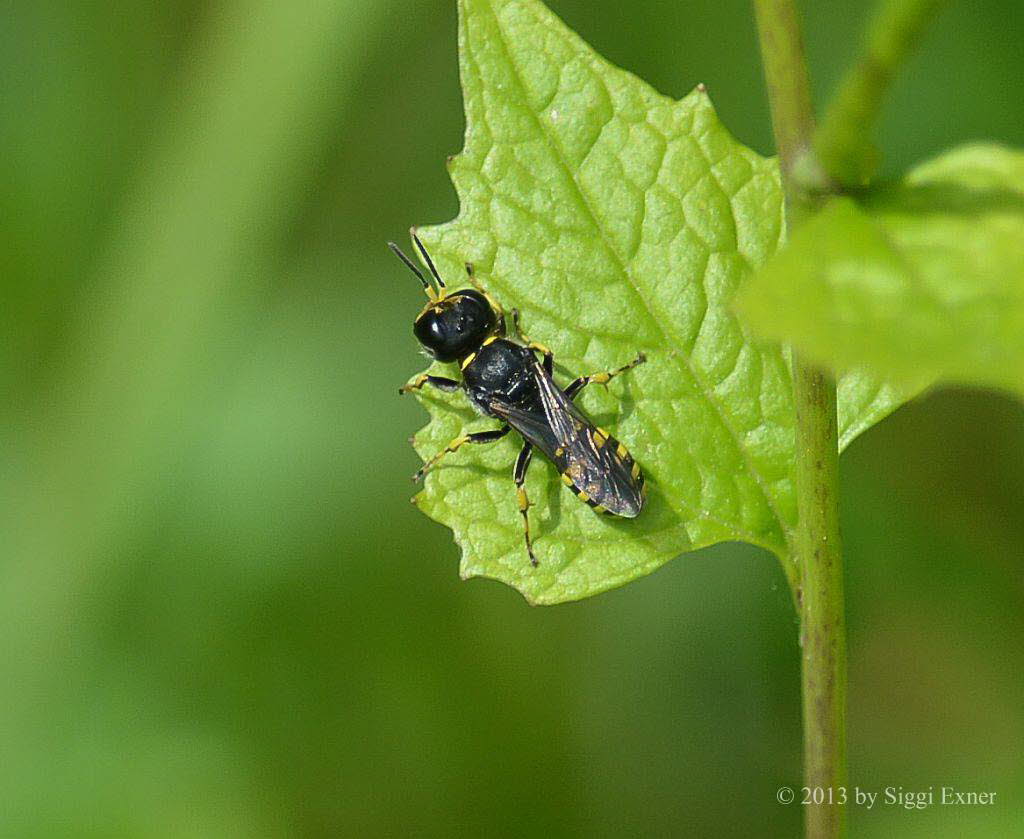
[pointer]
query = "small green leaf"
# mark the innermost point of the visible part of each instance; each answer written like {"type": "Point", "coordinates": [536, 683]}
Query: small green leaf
{"type": "Point", "coordinates": [617, 221]}
{"type": "Point", "coordinates": [923, 281]}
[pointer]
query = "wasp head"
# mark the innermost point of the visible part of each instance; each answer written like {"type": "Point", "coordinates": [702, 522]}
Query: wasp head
{"type": "Point", "coordinates": [451, 326]}
{"type": "Point", "coordinates": [454, 326]}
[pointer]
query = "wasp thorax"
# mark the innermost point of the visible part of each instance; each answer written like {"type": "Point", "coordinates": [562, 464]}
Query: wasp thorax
{"type": "Point", "coordinates": [454, 326]}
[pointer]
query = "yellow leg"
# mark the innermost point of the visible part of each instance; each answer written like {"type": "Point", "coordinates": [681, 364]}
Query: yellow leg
{"type": "Point", "coordinates": [533, 345]}
{"type": "Point", "coordinates": [415, 384]}
{"type": "Point", "coordinates": [458, 443]}
{"type": "Point", "coordinates": [476, 284]}
{"type": "Point", "coordinates": [519, 476]}
{"type": "Point", "coordinates": [441, 383]}
{"type": "Point", "coordinates": [524, 506]}
{"type": "Point", "coordinates": [602, 378]}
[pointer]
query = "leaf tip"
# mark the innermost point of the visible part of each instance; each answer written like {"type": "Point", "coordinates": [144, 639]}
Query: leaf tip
{"type": "Point", "coordinates": [699, 100]}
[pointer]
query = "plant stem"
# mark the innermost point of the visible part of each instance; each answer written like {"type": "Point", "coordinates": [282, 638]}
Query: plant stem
{"type": "Point", "coordinates": [817, 546]}
{"type": "Point", "coordinates": [789, 88]}
{"type": "Point", "coordinates": [822, 620]}
{"type": "Point", "coordinates": [842, 143]}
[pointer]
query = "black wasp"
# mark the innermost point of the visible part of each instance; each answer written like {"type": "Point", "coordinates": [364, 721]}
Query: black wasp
{"type": "Point", "coordinates": [504, 379]}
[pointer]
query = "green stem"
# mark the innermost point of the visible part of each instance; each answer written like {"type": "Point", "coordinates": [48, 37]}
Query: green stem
{"type": "Point", "coordinates": [822, 620]}
{"type": "Point", "coordinates": [817, 545]}
{"type": "Point", "coordinates": [843, 142]}
{"type": "Point", "coordinates": [789, 90]}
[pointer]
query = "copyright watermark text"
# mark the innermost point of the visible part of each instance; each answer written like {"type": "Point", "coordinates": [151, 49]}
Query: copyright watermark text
{"type": "Point", "coordinates": [908, 799]}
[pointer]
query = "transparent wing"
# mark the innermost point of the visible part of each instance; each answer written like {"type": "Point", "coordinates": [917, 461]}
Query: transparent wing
{"type": "Point", "coordinates": [596, 465]}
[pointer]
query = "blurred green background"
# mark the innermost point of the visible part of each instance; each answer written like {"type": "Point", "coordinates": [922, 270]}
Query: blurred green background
{"type": "Point", "coordinates": [219, 613]}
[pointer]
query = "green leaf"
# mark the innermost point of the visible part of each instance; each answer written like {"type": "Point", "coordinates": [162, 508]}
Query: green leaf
{"type": "Point", "coordinates": [922, 281]}
{"type": "Point", "coordinates": [617, 220]}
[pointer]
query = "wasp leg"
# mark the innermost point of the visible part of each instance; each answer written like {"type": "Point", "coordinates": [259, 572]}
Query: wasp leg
{"type": "Point", "coordinates": [519, 476]}
{"type": "Point", "coordinates": [494, 303]}
{"type": "Point", "coordinates": [459, 442]}
{"type": "Point", "coordinates": [549, 358]}
{"type": "Point", "coordinates": [441, 383]}
{"type": "Point", "coordinates": [471, 273]}
{"type": "Point", "coordinates": [602, 378]}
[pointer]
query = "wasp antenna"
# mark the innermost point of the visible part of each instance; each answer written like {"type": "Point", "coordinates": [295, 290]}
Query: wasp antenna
{"type": "Point", "coordinates": [412, 267]}
{"type": "Point", "coordinates": [429, 261]}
